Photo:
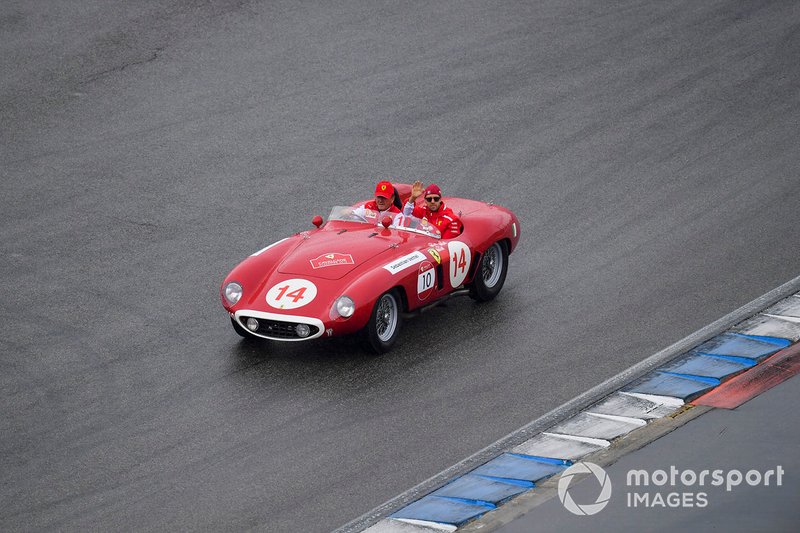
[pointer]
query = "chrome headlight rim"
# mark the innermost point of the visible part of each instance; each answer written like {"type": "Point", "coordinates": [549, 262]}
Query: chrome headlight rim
{"type": "Point", "coordinates": [343, 307]}
{"type": "Point", "coordinates": [232, 292]}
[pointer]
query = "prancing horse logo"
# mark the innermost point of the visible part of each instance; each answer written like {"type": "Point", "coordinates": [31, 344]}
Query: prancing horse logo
{"type": "Point", "coordinates": [332, 259]}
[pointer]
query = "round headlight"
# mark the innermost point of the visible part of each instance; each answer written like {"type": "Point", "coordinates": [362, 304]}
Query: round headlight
{"type": "Point", "coordinates": [233, 292]}
{"type": "Point", "coordinates": [252, 324]}
{"type": "Point", "coordinates": [302, 330]}
{"type": "Point", "coordinates": [345, 306]}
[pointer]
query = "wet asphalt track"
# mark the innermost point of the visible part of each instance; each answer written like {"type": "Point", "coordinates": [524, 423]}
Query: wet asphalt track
{"type": "Point", "coordinates": [649, 149]}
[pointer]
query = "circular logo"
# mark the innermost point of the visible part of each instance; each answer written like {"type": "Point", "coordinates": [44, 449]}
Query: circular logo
{"type": "Point", "coordinates": [602, 499]}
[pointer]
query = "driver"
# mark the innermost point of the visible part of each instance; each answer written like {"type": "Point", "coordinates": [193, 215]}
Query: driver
{"type": "Point", "coordinates": [434, 210]}
{"type": "Point", "coordinates": [384, 199]}
{"type": "Point", "coordinates": [383, 204]}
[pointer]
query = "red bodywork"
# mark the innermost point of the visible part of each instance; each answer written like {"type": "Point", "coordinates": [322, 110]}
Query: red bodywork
{"type": "Point", "coordinates": [298, 279]}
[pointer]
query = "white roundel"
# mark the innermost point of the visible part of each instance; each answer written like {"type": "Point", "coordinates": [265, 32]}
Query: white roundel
{"type": "Point", "coordinates": [460, 259]}
{"type": "Point", "coordinates": [426, 278]}
{"type": "Point", "coordinates": [291, 294]}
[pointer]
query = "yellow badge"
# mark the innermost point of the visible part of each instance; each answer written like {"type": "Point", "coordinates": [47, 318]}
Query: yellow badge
{"type": "Point", "coordinates": [435, 255]}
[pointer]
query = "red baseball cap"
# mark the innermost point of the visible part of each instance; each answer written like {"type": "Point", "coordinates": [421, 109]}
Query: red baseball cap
{"type": "Point", "coordinates": [432, 189]}
{"type": "Point", "coordinates": [385, 189]}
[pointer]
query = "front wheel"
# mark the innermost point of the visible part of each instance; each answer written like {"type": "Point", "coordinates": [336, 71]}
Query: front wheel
{"type": "Point", "coordinates": [491, 273]}
{"type": "Point", "coordinates": [384, 323]}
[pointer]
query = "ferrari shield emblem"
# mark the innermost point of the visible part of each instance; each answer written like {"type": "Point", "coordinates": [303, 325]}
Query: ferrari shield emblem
{"type": "Point", "coordinates": [331, 259]}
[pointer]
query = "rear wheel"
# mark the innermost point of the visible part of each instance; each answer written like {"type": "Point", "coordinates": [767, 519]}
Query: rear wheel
{"type": "Point", "coordinates": [491, 273]}
{"type": "Point", "coordinates": [384, 323]}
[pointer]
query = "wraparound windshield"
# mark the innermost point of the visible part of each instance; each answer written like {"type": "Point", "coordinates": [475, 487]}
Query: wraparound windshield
{"type": "Point", "coordinates": [399, 221]}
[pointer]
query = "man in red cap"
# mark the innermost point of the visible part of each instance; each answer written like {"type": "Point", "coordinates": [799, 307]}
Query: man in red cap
{"type": "Point", "coordinates": [434, 210]}
{"type": "Point", "coordinates": [383, 204]}
{"type": "Point", "coordinates": [384, 199]}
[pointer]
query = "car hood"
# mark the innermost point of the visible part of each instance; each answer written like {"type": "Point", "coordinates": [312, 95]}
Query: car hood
{"type": "Point", "coordinates": [333, 255]}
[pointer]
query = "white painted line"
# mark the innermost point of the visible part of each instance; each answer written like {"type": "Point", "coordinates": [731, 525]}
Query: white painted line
{"type": "Point", "coordinates": [407, 525]}
{"type": "Point", "coordinates": [786, 307]}
{"type": "Point", "coordinates": [598, 427]}
{"type": "Point", "coordinates": [588, 440]}
{"type": "Point", "coordinates": [626, 405]}
{"type": "Point", "coordinates": [431, 525]}
{"type": "Point", "coordinates": [555, 446]}
{"type": "Point", "coordinates": [625, 419]}
{"type": "Point", "coordinates": [665, 400]}
{"type": "Point", "coordinates": [769, 327]}
{"type": "Point", "coordinates": [794, 319]}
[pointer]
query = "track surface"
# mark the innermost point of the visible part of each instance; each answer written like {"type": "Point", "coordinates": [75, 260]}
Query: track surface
{"type": "Point", "coordinates": [649, 148]}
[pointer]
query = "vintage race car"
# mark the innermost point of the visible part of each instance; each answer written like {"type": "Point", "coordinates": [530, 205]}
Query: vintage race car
{"type": "Point", "coordinates": [355, 273]}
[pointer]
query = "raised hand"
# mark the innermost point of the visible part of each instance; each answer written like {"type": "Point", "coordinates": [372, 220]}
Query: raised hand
{"type": "Point", "coordinates": [416, 190]}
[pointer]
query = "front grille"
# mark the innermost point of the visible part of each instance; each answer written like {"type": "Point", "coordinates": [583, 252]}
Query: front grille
{"type": "Point", "coordinates": [278, 329]}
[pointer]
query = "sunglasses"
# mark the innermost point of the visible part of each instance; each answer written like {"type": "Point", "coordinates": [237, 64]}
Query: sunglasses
{"type": "Point", "coordinates": [432, 198]}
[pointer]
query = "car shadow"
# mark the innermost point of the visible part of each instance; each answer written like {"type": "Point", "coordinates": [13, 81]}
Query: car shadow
{"type": "Point", "coordinates": [339, 361]}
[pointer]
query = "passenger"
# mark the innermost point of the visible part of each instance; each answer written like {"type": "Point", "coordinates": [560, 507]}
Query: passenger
{"type": "Point", "coordinates": [434, 210]}
{"type": "Point", "coordinates": [386, 202]}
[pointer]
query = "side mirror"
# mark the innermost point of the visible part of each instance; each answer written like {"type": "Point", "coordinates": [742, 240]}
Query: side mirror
{"type": "Point", "coordinates": [317, 221]}
{"type": "Point", "coordinates": [386, 222]}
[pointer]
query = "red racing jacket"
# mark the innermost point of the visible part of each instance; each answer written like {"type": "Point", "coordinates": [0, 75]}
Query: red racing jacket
{"type": "Point", "coordinates": [371, 205]}
{"type": "Point", "coordinates": [369, 212]}
{"type": "Point", "coordinates": [443, 218]}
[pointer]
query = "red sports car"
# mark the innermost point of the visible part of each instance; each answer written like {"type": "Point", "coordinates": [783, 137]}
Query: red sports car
{"type": "Point", "coordinates": [356, 273]}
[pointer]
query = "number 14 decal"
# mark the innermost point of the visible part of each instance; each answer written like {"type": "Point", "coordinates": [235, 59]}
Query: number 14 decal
{"type": "Point", "coordinates": [291, 294]}
{"type": "Point", "coordinates": [295, 295]}
{"type": "Point", "coordinates": [460, 259]}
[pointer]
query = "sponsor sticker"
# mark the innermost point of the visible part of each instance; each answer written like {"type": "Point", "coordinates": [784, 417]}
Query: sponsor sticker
{"type": "Point", "coordinates": [331, 259]}
{"type": "Point", "coordinates": [404, 262]}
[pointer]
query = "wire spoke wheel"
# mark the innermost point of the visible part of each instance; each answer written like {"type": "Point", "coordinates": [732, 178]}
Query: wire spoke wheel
{"type": "Point", "coordinates": [386, 317]}
{"type": "Point", "coordinates": [385, 322]}
{"type": "Point", "coordinates": [492, 265]}
{"type": "Point", "coordinates": [491, 273]}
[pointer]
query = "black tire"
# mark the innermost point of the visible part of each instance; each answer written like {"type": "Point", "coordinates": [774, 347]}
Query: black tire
{"type": "Point", "coordinates": [491, 273]}
{"type": "Point", "coordinates": [240, 330]}
{"type": "Point", "coordinates": [384, 323]}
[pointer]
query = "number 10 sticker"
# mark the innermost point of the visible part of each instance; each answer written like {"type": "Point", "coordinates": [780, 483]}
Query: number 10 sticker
{"type": "Point", "coordinates": [425, 280]}
{"type": "Point", "coordinates": [291, 294]}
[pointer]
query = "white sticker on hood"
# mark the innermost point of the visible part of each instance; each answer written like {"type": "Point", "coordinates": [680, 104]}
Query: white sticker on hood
{"type": "Point", "coordinates": [404, 262]}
